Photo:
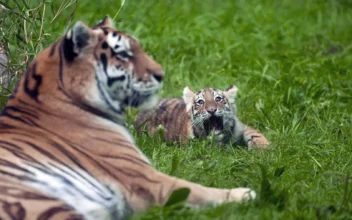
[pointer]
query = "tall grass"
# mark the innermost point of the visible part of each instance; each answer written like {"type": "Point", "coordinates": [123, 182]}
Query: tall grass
{"type": "Point", "coordinates": [25, 30]}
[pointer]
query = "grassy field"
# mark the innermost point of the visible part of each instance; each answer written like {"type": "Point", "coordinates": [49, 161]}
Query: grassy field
{"type": "Point", "coordinates": [291, 60]}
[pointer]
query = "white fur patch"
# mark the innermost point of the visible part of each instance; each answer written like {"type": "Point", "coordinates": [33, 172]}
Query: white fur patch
{"type": "Point", "coordinates": [188, 97]}
{"type": "Point", "coordinates": [69, 34]}
{"type": "Point", "coordinates": [150, 103]}
{"type": "Point", "coordinates": [80, 190]}
{"type": "Point", "coordinates": [231, 94]}
{"type": "Point", "coordinates": [106, 93]}
{"type": "Point", "coordinates": [119, 43]}
{"type": "Point", "coordinates": [97, 31]}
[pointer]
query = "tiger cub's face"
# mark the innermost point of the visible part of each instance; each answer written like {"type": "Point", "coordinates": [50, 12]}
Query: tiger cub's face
{"type": "Point", "coordinates": [211, 110]}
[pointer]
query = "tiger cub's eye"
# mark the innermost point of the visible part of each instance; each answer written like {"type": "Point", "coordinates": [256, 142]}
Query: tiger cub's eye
{"type": "Point", "coordinates": [218, 99]}
{"type": "Point", "coordinates": [200, 102]}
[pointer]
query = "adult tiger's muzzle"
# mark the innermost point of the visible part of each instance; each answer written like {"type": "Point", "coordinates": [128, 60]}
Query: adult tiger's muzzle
{"type": "Point", "coordinates": [144, 93]}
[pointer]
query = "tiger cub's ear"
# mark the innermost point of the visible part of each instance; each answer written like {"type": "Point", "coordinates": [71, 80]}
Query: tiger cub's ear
{"type": "Point", "coordinates": [188, 97]}
{"type": "Point", "coordinates": [76, 39]}
{"type": "Point", "coordinates": [230, 93]}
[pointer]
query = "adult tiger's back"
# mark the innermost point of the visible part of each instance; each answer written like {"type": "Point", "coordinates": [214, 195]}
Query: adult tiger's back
{"type": "Point", "coordinates": [64, 152]}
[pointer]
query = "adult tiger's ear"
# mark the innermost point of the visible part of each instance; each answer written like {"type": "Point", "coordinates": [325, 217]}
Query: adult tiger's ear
{"type": "Point", "coordinates": [76, 39]}
{"type": "Point", "coordinates": [106, 22]}
{"type": "Point", "coordinates": [231, 93]}
{"type": "Point", "coordinates": [188, 98]}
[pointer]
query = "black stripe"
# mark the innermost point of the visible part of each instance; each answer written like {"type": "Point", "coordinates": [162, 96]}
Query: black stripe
{"type": "Point", "coordinates": [50, 213]}
{"type": "Point", "coordinates": [21, 177]}
{"type": "Point", "coordinates": [14, 166]}
{"type": "Point", "coordinates": [52, 50]}
{"type": "Point", "coordinates": [10, 144]}
{"type": "Point", "coordinates": [105, 45]}
{"type": "Point", "coordinates": [104, 61]}
{"type": "Point", "coordinates": [15, 131]}
{"type": "Point", "coordinates": [114, 142]}
{"type": "Point", "coordinates": [5, 126]}
{"type": "Point", "coordinates": [22, 155]}
{"type": "Point", "coordinates": [36, 108]}
{"type": "Point", "coordinates": [126, 157]}
{"type": "Point", "coordinates": [134, 173]}
{"type": "Point", "coordinates": [20, 110]}
{"type": "Point", "coordinates": [68, 46]}
{"type": "Point", "coordinates": [113, 53]}
{"type": "Point", "coordinates": [112, 80]}
{"type": "Point", "coordinates": [14, 210]}
{"type": "Point", "coordinates": [128, 81]}
{"type": "Point", "coordinates": [105, 30]}
{"type": "Point", "coordinates": [29, 76]}
{"type": "Point", "coordinates": [5, 112]}
{"type": "Point", "coordinates": [61, 66]}
{"type": "Point", "coordinates": [40, 150]}
{"type": "Point", "coordinates": [18, 191]}
{"type": "Point", "coordinates": [164, 104]}
{"type": "Point", "coordinates": [180, 104]}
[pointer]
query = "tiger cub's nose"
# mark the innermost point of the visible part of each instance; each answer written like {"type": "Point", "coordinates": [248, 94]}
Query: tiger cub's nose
{"type": "Point", "coordinates": [211, 110]}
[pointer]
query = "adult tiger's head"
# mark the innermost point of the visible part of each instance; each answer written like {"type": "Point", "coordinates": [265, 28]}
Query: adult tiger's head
{"type": "Point", "coordinates": [99, 68]}
{"type": "Point", "coordinates": [211, 110]}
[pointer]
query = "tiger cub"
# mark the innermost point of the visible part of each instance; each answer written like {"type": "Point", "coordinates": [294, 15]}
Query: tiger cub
{"type": "Point", "coordinates": [208, 112]}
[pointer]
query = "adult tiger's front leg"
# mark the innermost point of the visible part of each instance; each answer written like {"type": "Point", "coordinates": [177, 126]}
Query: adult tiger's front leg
{"type": "Point", "coordinates": [158, 189]}
{"type": "Point", "coordinates": [201, 196]}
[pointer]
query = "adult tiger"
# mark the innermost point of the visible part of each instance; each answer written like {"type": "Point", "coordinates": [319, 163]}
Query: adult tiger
{"type": "Point", "coordinates": [64, 152]}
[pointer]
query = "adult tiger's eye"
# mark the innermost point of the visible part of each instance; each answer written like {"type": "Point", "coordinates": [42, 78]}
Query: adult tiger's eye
{"type": "Point", "coordinates": [200, 102]}
{"type": "Point", "coordinates": [124, 54]}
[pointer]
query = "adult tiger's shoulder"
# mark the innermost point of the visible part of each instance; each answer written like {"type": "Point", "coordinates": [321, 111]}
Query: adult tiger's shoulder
{"type": "Point", "coordinates": [205, 113]}
{"type": "Point", "coordinates": [64, 150]}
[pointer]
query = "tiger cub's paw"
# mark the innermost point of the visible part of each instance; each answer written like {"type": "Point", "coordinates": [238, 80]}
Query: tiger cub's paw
{"type": "Point", "coordinates": [259, 142]}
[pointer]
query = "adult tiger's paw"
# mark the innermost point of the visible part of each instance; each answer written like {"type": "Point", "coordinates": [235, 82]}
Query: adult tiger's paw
{"type": "Point", "coordinates": [241, 195]}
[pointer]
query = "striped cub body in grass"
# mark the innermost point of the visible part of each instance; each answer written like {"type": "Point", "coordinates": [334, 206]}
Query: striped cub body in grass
{"type": "Point", "coordinates": [207, 113]}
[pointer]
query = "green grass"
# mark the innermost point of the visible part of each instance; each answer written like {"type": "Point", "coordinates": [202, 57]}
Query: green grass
{"type": "Point", "coordinates": [292, 61]}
